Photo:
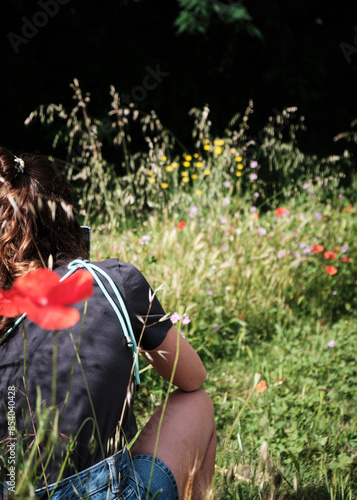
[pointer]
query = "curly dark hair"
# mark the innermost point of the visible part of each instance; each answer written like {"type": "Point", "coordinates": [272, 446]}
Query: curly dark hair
{"type": "Point", "coordinates": [37, 219]}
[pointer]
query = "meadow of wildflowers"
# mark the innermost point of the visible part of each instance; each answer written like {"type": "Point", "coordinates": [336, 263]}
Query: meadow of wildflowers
{"type": "Point", "coordinates": [256, 242]}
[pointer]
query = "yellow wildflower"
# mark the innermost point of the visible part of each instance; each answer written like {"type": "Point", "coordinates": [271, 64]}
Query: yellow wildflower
{"type": "Point", "coordinates": [218, 150]}
{"type": "Point", "coordinates": [152, 180]}
{"type": "Point", "coordinates": [188, 157]}
{"type": "Point", "coordinates": [199, 164]}
{"type": "Point", "coordinates": [184, 173]}
{"type": "Point", "coordinates": [186, 164]}
{"type": "Point", "coordinates": [174, 164]}
{"type": "Point", "coordinates": [207, 172]}
{"type": "Point", "coordinates": [163, 158]}
{"type": "Point", "coordinates": [207, 147]}
{"type": "Point", "coordinates": [220, 142]}
{"type": "Point", "coordinates": [169, 168]}
{"type": "Point", "coordinates": [194, 176]}
{"type": "Point", "coordinates": [149, 173]}
{"type": "Point", "coordinates": [206, 141]}
{"type": "Point", "coordinates": [240, 166]}
{"type": "Point", "coordinates": [199, 191]}
{"type": "Point", "coordinates": [196, 155]}
{"type": "Point", "coordinates": [164, 185]}
{"type": "Point", "coordinates": [238, 174]}
{"type": "Point", "coordinates": [238, 159]}
{"type": "Point", "coordinates": [185, 179]}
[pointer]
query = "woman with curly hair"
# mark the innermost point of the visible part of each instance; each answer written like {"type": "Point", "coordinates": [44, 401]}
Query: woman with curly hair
{"type": "Point", "coordinates": [90, 446]}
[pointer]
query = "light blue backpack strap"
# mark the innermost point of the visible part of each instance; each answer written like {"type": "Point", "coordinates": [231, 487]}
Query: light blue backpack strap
{"type": "Point", "coordinates": [17, 322]}
{"type": "Point", "coordinates": [122, 314]}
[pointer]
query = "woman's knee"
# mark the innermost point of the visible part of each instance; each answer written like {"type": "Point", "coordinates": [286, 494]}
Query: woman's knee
{"type": "Point", "coordinates": [205, 401]}
{"type": "Point", "coordinates": [198, 402]}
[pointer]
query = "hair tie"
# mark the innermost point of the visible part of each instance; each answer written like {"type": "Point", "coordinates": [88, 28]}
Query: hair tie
{"type": "Point", "coordinates": [21, 165]}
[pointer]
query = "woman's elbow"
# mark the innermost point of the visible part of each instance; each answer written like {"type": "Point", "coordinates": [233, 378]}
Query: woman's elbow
{"type": "Point", "coordinates": [194, 382]}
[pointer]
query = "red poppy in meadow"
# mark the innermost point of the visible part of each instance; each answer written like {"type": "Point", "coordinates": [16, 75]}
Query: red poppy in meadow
{"type": "Point", "coordinates": [346, 259]}
{"type": "Point", "coordinates": [331, 270]}
{"type": "Point", "coordinates": [348, 209]}
{"type": "Point", "coordinates": [330, 255]}
{"type": "Point", "coordinates": [336, 249]}
{"type": "Point", "coordinates": [280, 212]}
{"type": "Point", "coordinates": [181, 225]}
{"type": "Point", "coordinates": [45, 299]}
{"type": "Point", "coordinates": [262, 386]}
{"type": "Point", "coordinates": [317, 248]}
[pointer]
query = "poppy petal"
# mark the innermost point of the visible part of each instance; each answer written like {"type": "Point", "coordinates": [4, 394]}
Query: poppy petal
{"type": "Point", "coordinates": [331, 270]}
{"type": "Point", "coordinates": [36, 284]}
{"type": "Point", "coordinates": [9, 306]}
{"type": "Point", "coordinates": [52, 317]}
{"type": "Point", "coordinates": [262, 386]}
{"type": "Point", "coordinates": [75, 288]}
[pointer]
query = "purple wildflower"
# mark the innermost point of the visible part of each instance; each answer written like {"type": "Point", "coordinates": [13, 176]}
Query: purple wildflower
{"type": "Point", "coordinates": [185, 319]}
{"type": "Point", "coordinates": [253, 177]}
{"type": "Point", "coordinates": [262, 231]}
{"type": "Point", "coordinates": [226, 184]}
{"type": "Point", "coordinates": [226, 201]}
{"type": "Point", "coordinates": [193, 211]}
{"type": "Point", "coordinates": [145, 239]}
{"type": "Point", "coordinates": [281, 254]}
{"type": "Point", "coordinates": [331, 344]}
{"type": "Point", "coordinates": [253, 164]}
{"type": "Point", "coordinates": [175, 317]}
{"type": "Point", "coordinates": [305, 185]}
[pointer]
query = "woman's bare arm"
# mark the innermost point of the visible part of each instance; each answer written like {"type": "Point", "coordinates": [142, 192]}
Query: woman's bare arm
{"type": "Point", "coordinates": [190, 372]}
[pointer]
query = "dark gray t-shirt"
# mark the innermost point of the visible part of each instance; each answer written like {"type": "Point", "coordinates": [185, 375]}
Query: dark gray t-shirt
{"type": "Point", "coordinates": [105, 371]}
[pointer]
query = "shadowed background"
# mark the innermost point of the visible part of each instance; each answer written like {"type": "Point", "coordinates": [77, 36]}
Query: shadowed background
{"type": "Point", "coordinates": [217, 53]}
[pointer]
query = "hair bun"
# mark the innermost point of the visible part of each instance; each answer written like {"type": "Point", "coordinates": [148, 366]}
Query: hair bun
{"type": "Point", "coordinates": [10, 165]}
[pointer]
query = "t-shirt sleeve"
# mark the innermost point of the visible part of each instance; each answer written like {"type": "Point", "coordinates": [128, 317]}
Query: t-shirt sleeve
{"type": "Point", "coordinates": [141, 303]}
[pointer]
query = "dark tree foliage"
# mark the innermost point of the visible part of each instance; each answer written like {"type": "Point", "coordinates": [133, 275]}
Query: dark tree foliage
{"type": "Point", "coordinates": [217, 52]}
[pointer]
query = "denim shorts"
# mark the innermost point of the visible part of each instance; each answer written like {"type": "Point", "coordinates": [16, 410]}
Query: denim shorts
{"type": "Point", "coordinates": [120, 476]}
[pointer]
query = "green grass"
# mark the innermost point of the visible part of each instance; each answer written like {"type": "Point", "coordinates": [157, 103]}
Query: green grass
{"type": "Point", "coordinates": [255, 311]}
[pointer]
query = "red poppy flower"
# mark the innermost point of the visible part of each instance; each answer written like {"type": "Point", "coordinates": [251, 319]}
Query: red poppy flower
{"type": "Point", "coordinates": [330, 255]}
{"type": "Point", "coordinates": [280, 212]}
{"type": "Point", "coordinates": [262, 386]}
{"type": "Point", "coordinates": [336, 249]}
{"type": "Point", "coordinates": [45, 299]}
{"type": "Point", "coordinates": [346, 259]}
{"type": "Point", "coordinates": [331, 270]}
{"type": "Point", "coordinates": [348, 209]}
{"type": "Point", "coordinates": [181, 225]}
{"type": "Point", "coordinates": [317, 248]}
